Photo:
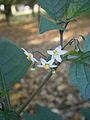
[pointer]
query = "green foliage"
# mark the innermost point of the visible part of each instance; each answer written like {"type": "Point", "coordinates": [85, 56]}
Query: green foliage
{"type": "Point", "coordinates": [55, 8]}
{"type": "Point", "coordinates": [77, 8]}
{"type": "Point", "coordinates": [86, 113]}
{"type": "Point", "coordinates": [80, 72]}
{"type": "Point", "coordinates": [42, 113]}
{"type": "Point", "coordinates": [75, 53]}
{"type": "Point", "coordinates": [13, 63]}
{"type": "Point", "coordinates": [58, 8]}
{"type": "Point", "coordinates": [80, 76]}
{"type": "Point", "coordinates": [9, 115]}
{"type": "Point", "coordinates": [84, 58]}
{"type": "Point", "coordinates": [46, 25]}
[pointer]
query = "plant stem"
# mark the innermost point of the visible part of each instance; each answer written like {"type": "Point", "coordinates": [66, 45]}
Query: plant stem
{"type": "Point", "coordinates": [61, 33]}
{"type": "Point", "coordinates": [61, 38]}
{"type": "Point", "coordinates": [67, 43]}
{"type": "Point", "coordinates": [35, 93]}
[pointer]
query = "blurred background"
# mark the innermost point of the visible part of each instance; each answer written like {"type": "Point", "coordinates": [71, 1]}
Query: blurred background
{"type": "Point", "coordinates": [19, 22]}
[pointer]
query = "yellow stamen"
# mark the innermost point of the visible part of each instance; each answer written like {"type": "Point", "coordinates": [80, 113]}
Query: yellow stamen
{"type": "Point", "coordinates": [29, 57]}
{"type": "Point", "coordinates": [47, 66]}
{"type": "Point", "coordinates": [55, 52]}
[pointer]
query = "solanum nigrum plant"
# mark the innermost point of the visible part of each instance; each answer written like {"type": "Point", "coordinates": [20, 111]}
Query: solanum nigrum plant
{"type": "Point", "coordinates": [15, 61]}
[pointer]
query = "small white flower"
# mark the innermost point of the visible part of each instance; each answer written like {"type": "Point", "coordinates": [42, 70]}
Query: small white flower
{"type": "Point", "coordinates": [47, 65]}
{"type": "Point", "coordinates": [56, 53]}
{"type": "Point", "coordinates": [29, 56]}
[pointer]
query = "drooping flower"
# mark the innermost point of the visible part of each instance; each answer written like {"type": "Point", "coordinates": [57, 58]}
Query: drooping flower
{"type": "Point", "coordinates": [47, 65]}
{"type": "Point", "coordinates": [56, 53]}
{"type": "Point", "coordinates": [29, 56]}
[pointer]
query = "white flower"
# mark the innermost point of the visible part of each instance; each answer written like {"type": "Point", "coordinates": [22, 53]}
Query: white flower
{"type": "Point", "coordinates": [56, 53]}
{"type": "Point", "coordinates": [29, 56]}
{"type": "Point", "coordinates": [47, 65]}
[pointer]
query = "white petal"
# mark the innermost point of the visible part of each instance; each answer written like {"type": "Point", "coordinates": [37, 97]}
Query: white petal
{"type": "Point", "coordinates": [62, 52]}
{"type": "Point", "coordinates": [58, 48]}
{"type": "Point", "coordinates": [53, 66]}
{"type": "Point", "coordinates": [25, 52]}
{"type": "Point", "coordinates": [43, 61]}
{"type": "Point", "coordinates": [50, 62]}
{"type": "Point", "coordinates": [50, 52]}
{"type": "Point", "coordinates": [58, 58]}
{"type": "Point", "coordinates": [23, 49]}
{"type": "Point", "coordinates": [34, 59]}
{"type": "Point", "coordinates": [31, 55]}
{"type": "Point", "coordinates": [41, 66]}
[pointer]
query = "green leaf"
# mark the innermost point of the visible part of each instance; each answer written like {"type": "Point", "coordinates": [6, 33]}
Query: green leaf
{"type": "Point", "coordinates": [42, 113]}
{"type": "Point", "coordinates": [55, 8]}
{"type": "Point", "coordinates": [86, 113]}
{"type": "Point", "coordinates": [80, 70]}
{"type": "Point", "coordinates": [80, 76]}
{"type": "Point", "coordinates": [13, 62]}
{"type": "Point", "coordinates": [2, 115]}
{"type": "Point", "coordinates": [47, 25]}
{"type": "Point", "coordinates": [84, 58]}
{"type": "Point", "coordinates": [77, 8]}
{"type": "Point", "coordinates": [9, 115]}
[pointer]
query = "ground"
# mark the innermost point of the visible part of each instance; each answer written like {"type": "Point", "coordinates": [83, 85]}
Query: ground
{"type": "Point", "coordinates": [58, 94]}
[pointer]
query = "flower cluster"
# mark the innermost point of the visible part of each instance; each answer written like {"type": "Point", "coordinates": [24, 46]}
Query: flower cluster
{"type": "Point", "coordinates": [55, 56]}
{"type": "Point", "coordinates": [47, 65]}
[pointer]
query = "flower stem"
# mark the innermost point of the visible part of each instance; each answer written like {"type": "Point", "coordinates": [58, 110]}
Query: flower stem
{"type": "Point", "coordinates": [61, 33]}
{"type": "Point", "coordinates": [20, 110]}
{"type": "Point", "coordinates": [61, 38]}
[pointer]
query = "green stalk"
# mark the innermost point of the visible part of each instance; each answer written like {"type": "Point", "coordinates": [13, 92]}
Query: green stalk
{"type": "Point", "coordinates": [61, 38]}
{"type": "Point", "coordinates": [61, 33]}
{"type": "Point", "coordinates": [35, 93]}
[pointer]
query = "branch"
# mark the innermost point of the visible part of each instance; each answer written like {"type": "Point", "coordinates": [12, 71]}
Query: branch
{"type": "Point", "coordinates": [61, 38]}
{"type": "Point", "coordinates": [35, 93]}
{"type": "Point", "coordinates": [61, 33]}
